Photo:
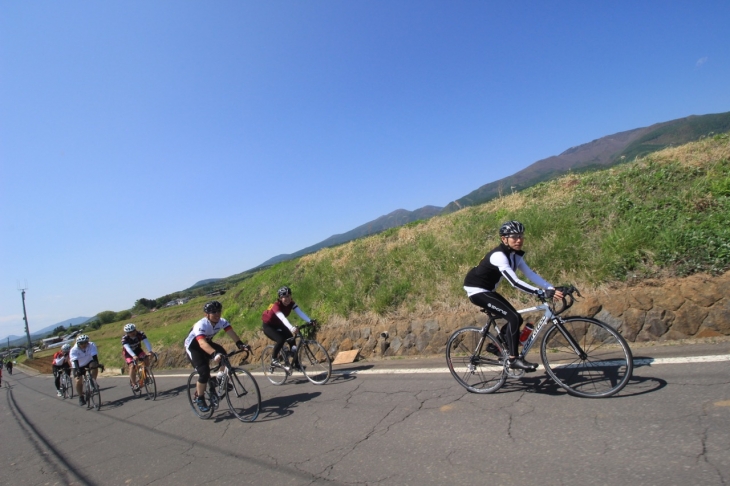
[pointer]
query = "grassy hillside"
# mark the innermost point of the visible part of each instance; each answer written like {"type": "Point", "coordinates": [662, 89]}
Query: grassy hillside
{"type": "Point", "coordinates": [665, 214]}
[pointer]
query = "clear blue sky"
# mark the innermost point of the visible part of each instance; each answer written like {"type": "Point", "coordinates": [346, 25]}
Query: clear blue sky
{"type": "Point", "coordinates": [145, 146]}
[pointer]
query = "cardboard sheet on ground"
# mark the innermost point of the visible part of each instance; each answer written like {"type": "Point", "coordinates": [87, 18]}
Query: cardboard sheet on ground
{"type": "Point", "coordinates": [344, 357]}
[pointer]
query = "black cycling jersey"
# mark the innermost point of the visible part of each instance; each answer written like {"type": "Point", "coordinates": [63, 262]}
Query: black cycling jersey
{"type": "Point", "coordinates": [487, 274]}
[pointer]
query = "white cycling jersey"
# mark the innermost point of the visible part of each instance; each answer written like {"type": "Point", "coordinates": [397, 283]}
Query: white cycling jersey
{"type": "Point", "coordinates": [204, 328]}
{"type": "Point", "coordinates": [83, 356]}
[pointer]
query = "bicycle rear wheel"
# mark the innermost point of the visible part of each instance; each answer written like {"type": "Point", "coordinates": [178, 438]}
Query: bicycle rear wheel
{"type": "Point", "coordinates": [315, 362]}
{"type": "Point", "coordinates": [275, 374]}
{"type": "Point", "coordinates": [193, 395]}
{"type": "Point", "coordinates": [94, 396]}
{"type": "Point", "coordinates": [243, 395]}
{"type": "Point", "coordinates": [67, 389]}
{"type": "Point", "coordinates": [478, 372]}
{"type": "Point", "coordinates": [150, 386]}
{"type": "Point", "coordinates": [600, 367]}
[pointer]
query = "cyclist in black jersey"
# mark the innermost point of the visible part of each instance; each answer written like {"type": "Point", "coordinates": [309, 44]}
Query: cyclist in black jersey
{"type": "Point", "coordinates": [481, 283]}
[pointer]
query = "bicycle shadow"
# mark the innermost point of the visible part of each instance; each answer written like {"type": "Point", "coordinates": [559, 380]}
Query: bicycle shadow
{"type": "Point", "coordinates": [171, 393]}
{"type": "Point", "coordinates": [543, 384]}
{"type": "Point", "coordinates": [280, 407]}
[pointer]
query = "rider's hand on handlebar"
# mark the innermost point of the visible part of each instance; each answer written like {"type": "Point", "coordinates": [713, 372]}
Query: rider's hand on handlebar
{"type": "Point", "coordinates": [558, 295]}
{"type": "Point", "coordinates": [217, 357]}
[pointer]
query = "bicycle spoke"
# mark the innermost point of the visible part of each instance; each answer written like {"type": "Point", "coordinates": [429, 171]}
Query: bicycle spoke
{"type": "Point", "coordinates": [477, 372]}
{"type": "Point", "coordinates": [275, 374]}
{"type": "Point", "coordinates": [315, 362]}
{"type": "Point", "coordinates": [243, 395]}
{"type": "Point", "coordinates": [602, 370]}
{"type": "Point", "coordinates": [192, 395]}
{"type": "Point", "coordinates": [150, 385]}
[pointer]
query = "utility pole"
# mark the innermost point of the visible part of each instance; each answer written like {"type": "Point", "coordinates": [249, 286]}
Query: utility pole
{"type": "Point", "coordinates": [29, 351]}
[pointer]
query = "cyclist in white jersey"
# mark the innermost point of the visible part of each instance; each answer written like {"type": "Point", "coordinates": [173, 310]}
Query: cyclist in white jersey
{"type": "Point", "coordinates": [83, 356]}
{"type": "Point", "coordinates": [201, 349]}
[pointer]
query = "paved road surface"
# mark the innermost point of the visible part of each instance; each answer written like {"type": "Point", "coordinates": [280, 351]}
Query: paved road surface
{"type": "Point", "coordinates": [671, 425]}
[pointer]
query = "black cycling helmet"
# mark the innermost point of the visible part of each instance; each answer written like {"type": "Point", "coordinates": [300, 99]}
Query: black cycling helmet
{"type": "Point", "coordinates": [511, 228]}
{"type": "Point", "coordinates": [212, 307]}
{"type": "Point", "coordinates": [284, 291]}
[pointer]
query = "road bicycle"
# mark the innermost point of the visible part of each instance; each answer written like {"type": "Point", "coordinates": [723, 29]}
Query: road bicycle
{"type": "Point", "coordinates": [66, 384]}
{"type": "Point", "coordinates": [313, 359]}
{"type": "Point", "coordinates": [90, 388]}
{"type": "Point", "coordinates": [586, 357]}
{"type": "Point", "coordinates": [237, 385]}
{"type": "Point", "coordinates": [145, 379]}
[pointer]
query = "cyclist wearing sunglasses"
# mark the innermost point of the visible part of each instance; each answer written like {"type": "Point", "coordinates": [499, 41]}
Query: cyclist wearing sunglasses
{"type": "Point", "coordinates": [277, 327]}
{"type": "Point", "coordinates": [132, 350]}
{"type": "Point", "coordinates": [201, 349]}
{"type": "Point", "coordinates": [83, 355]}
{"type": "Point", "coordinates": [481, 283]}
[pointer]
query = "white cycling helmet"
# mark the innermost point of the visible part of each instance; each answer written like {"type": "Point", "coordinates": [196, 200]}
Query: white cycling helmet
{"type": "Point", "coordinates": [66, 348]}
{"type": "Point", "coordinates": [83, 338]}
{"type": "Point", "coordinates": [129, 327]}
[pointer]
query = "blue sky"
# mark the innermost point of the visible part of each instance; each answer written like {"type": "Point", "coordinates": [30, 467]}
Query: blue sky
{"type": "Point", "coordinates": [145, 146]}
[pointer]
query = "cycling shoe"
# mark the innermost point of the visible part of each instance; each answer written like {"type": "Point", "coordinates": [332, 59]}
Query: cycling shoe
{"type": "Point", "coordinates": [521, 364]}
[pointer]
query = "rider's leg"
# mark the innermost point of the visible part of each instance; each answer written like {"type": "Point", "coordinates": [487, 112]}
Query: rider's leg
{"type": "Point", "coordinates": [501, 307]}
{"type": "Point", "coordinates": [57, 376]}
{"type": "Point", "coordinates": [79, 383]}
{"type": "Point", "coordinates": [132, 372]}
{"type": "Point", "coordinates": [278, 333]}
{"type": "Point", "coordinates": [201, 362]}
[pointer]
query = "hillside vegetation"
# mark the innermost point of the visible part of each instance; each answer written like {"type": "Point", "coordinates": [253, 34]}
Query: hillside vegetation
{"type": "Point", "coordinates": [667, 214]}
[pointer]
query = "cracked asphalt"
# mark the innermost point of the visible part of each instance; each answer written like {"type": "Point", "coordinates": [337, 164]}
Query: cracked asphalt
{"type": "Point", "coordinates": [670, 425]}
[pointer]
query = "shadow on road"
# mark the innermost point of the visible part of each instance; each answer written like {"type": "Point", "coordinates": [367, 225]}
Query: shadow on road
{"type": "Point", "coordinates": [637, 385]}
{"type": "Point", "coordinates": [280, 407]}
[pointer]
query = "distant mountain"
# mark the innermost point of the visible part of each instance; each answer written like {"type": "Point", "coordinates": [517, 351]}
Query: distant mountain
{"type": "Point", "coordinates": [603, 152]}
{"type": "Point", "coordinates": [399, 217]}
{"type": "Point", "coordinates": [42, 333]}
{"type": "Point", "coordinates": [204, 282]}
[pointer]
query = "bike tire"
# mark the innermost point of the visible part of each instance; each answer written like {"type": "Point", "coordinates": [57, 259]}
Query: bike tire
{"type": "Point", "coordinates": [315, 362]}
{"type": "Point", "coordinates": [138, 391]}
{"type": "Point", "coordinates": [275, 374]}
{"type": "Point", "coordinates": [478, 373]}
{"type": "Point", "coordinates": [192, 395]}
{"type": "Point", "coordinates": [244, 399]}
{"type": "Point", "coordinates": [150, 385]}
{"type": "Point", "coordinates": [67, 389]}
{"type": "Point", "coordinates": [603, 370]}
{"type": "Point", "coordinates": [94, 395]}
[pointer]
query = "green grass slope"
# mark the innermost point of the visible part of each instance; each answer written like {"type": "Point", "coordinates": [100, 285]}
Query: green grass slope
{"type": "Point", "coordinates": [664, 215]}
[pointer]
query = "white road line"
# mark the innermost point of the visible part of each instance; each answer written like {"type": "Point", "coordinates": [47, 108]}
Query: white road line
{"type": "Point", "coordinates": [401, 371]}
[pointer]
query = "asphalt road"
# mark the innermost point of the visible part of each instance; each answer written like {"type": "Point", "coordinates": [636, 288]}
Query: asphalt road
{"type": "Point", "coordinates": [392, 423]}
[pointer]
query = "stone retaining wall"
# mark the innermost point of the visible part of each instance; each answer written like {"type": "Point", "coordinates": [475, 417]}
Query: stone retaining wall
{"type": "Point", "coordinates": [652, 310]}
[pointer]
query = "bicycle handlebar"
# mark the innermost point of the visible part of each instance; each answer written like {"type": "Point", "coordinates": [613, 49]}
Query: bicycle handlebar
{"type": "Point", "coordinates": [568, 300]}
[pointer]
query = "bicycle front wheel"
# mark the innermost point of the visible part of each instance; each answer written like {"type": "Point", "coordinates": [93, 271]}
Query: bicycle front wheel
{"type": "Point", "coordinates": [315, 362]}
{"type": "Point", "coordinates": [243, 395]}
{"type": "Point", "coordinates": [476, 369]}
{"type": "Point", "coordinates": [150, 386]}
{"type": "Point", "coordinates": [193, 395]}
{"type": "Point", "coordinates": [94, 395]}
{"type": "Point", "coordinates": [596, 364]}
{"type": "Point", "coordinates": [275, 374]}
{"type": "Point", "coordinates": [67, 389]}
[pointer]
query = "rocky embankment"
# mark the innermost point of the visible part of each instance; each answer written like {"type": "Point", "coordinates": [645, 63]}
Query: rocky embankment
{"type": "Point", "coordinates": [652, 310]}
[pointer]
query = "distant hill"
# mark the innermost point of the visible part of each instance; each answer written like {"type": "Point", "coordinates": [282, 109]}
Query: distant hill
{"type": "Point", "coordinates": [42, 333]}
{"type": "Point", "coordinates": [204, 282]}
{"type": "Point", "coordinates": [603, 152]}
{"type": "Point", "coordinates": [399, 217]}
